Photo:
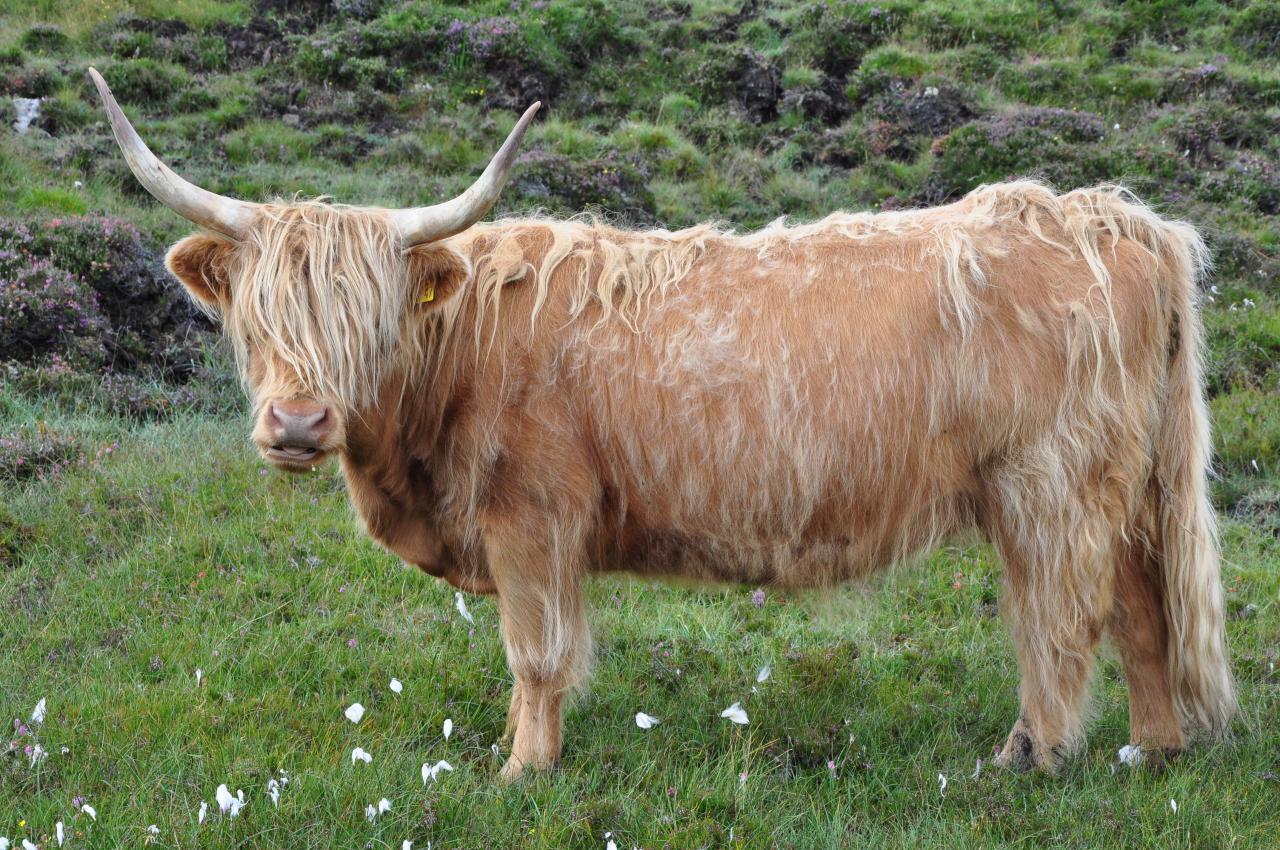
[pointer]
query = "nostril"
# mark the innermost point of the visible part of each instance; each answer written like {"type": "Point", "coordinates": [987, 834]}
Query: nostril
{"type": "Point", "coordinates": [323, 424]}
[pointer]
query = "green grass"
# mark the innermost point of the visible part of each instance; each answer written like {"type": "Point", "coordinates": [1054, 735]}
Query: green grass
{"type": "Point", "coordinates": [122, 576]}
{"type": "Point", "coordinates": [178, 553]}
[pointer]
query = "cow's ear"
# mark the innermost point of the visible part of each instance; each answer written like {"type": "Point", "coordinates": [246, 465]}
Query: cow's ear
{"type": "Point", "coordinates": [436, 273]}
{"type": "Point", "coordinates": [201, 262]}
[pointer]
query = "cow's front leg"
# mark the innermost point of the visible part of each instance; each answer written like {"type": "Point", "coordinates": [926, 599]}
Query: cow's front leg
{"type": "Point", "coordinates": [544, 627]}
{"type": "Point", "coordinates": [513, 712]}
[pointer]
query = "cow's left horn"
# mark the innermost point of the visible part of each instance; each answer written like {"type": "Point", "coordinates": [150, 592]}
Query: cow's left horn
{"type": "Point", "coordinates": [425, 224]}
{"type": "Point", "coordinates": [224, 215]}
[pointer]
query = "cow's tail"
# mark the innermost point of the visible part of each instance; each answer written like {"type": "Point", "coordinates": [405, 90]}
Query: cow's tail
{"type": "Point", "coordinates": [1186, 543]}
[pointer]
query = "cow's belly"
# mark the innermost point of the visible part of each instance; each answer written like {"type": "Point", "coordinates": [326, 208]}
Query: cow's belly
{"type": "Point", "coordinates": [819, 558]}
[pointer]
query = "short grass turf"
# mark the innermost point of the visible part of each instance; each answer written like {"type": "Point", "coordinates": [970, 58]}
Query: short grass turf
{"type": "Point", "coordinates": [127, 571]}
{"type": "Point", "coordinates": [180, 552]}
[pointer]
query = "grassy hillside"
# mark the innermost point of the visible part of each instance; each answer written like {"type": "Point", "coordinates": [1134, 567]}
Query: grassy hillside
{"type": "Point", "coordinates": [140, 539]}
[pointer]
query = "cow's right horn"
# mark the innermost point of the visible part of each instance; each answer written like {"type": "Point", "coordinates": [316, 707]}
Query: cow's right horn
{"type": "Point", "coordinates": [439, 221]}
{"type": "Point", "coordinates": [224, 215]}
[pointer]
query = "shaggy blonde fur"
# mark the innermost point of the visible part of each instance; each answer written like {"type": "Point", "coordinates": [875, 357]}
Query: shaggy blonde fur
{"type": "Point", "coordinates": [801, 406]}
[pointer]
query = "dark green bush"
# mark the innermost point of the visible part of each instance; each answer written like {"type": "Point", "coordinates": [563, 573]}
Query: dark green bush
{"type": "Point", "coordinates": [37, 79]}
{"type": "Point", "coordinates": [565, 185]}
{"type": "Point", "coordinates": [44, 38]}
{"type": "Point", "coordinates": [1257, 28]}
{"type": "Point", "coordinates": [135, 44]}
{"type": "Point", "coordinates": [1208, 127]}
{"type": "Point", "coordinates": [1244, 347]}
{"type": "Point", "coordinates": [151, 84]}
{"type": "Point", "coordinates": [1059, 145]}
{"type": "Point", "coordinates": [65, 113]}
{"type": "Point", "coordinates": [1250, 179]}
{"type": "Point", "coordinates": [834, 35]}
{"type": "Point", "coordinates": [735, 74]}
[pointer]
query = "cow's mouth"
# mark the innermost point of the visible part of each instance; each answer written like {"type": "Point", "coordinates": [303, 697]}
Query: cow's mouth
{"type": "Point", "coordinates": [293, 454]}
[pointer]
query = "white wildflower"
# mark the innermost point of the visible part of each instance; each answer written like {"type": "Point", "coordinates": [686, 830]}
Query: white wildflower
{"type": "Point", "coordinates": [431, 771]}
{"type": "Point", "coordinates": [359, 754]}
{"type": "Point", "coordinates": [354, 712]}
{"type": "Point", "coordinates": [1130, 755]}
{"type": "Point", "coordinates": [736, 713]}
{"type": "Point", "coordinates": [396, 686]}
{"type": "Point", "coordinates": [646, 721]}
{"type": "Point", "coordinates": [462, 607]}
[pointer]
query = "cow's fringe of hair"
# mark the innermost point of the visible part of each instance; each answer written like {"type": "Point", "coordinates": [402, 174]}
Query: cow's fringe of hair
{"type": "Point", "coordinates": [324, 288]}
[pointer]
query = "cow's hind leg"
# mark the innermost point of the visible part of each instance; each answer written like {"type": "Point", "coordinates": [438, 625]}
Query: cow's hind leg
{"type": "Point", "coordinates": [1141, 633]}
{"type": "Point", "coordinates": [1058, 593]}
{"type": "Point", "coordinates": [545, 631]}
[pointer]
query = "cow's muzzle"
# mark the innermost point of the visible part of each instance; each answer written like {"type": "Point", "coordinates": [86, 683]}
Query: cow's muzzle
{"type": "Point", "coordinates": [295, 433]}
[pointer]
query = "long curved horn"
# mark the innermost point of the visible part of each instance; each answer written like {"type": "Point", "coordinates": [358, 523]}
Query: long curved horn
{"type": "Point", "coordinates": [439, 221]}
{"type": "Point", "coordinates": [225, 215]}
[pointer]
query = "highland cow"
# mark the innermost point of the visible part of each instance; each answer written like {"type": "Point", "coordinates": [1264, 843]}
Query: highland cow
{"type": "Point", "coordinates": [517, 404]}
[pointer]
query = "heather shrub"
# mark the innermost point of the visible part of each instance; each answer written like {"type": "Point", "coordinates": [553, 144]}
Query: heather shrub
{"type": "Point", "coordinates": [47, 312]}
{"type": "Point", "coordinates": [64, 113]}
{"type": "Point", "coordinates": [745, 77]}
{"type": "Point", "coordinates": [143, 317]}
{"type": "Point", "coordinates": [37, 453]}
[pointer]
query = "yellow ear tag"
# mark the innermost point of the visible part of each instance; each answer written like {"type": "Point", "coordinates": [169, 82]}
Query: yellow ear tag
{"type": "Point", "coordinates": [430, 295]}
